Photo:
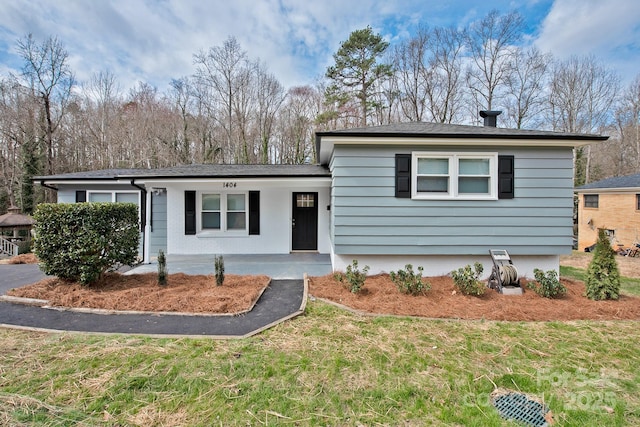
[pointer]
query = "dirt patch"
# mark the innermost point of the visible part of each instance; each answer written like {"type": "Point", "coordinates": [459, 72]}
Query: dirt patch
{"type": "Point", "coordinates": [380, 295]}
{"type": "Point", "coordinates": [141, 292]}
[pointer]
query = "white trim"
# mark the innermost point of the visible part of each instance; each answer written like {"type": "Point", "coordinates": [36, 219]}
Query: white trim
{"type": "Point", "coordinates": [327, 142]}
{"type": "Point", "coordinates": [454, 175]}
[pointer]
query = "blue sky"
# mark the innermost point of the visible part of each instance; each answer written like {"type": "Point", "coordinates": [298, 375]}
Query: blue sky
{"type": "Point", "coordinates": [154, 40]}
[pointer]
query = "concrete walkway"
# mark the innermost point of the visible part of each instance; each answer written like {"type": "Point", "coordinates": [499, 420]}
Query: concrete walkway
{"type": "Point", "coordinates": [283, 299]}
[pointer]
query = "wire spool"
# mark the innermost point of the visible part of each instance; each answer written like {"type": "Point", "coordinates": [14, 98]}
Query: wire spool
{"type": "Point", "coordinates": [508, 275]}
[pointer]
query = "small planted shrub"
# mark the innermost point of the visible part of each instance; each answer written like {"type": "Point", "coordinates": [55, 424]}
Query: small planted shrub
{"type": "Point", "coordinates": [547, 284]}
{"type": "Point", "coordinates": [468, 281]}
{"type": "Point", "coordinates": [409, 282]}
{"type": "Point", "coordinates": [163, 273]}
{"type": "Point", "coordinates": [218, 262]}
{"type": "Point", "coordinates": [603, 278]}
{"type": "Point", "coordinates": [353, 277]}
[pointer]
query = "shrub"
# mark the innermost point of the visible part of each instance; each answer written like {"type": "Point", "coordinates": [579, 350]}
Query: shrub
{"type": "Point", "coordinates": [409, 282]}
{"type": "Point", "coordinates": [354, 277]}
{"type": "Point", "coordinates": [81, 241]}
{"type": "Point", "coordinates": [603, 278]}
{"type": "Point", "coordinates": [218, 262]}
{"type": "Point", "coordinates": [547, 284]}
{"type": "Point", "coordinates": [163, 273]}
{"type": "Point", "coordinates": [467, 281]}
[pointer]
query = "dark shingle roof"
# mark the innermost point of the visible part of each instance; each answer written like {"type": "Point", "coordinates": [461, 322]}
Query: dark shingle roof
{"type": "Point", "coordinates": [629, 181]}
{"type": "Point", "coordinates": [423, 129]}
{"type": "Point", "coordinates": [197, 171]}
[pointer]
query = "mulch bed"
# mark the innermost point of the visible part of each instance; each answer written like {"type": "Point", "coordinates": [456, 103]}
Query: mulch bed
{"type": "Point", "coordinates": [141, 292]}
{"type": "Point", "coordinates": [380, 295]}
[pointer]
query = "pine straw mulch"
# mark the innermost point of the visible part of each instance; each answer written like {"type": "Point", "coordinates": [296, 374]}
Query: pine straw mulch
{"type": "Point", "coordinates": [141, 292]}
{"type": "Point", "coordinates": [21, 259]}
{"type": "Point", "coordinates": [380, 295]}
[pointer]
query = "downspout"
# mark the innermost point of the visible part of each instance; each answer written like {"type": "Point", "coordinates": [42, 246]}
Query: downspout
{"type": "Point", "coordinates": [143, 216]}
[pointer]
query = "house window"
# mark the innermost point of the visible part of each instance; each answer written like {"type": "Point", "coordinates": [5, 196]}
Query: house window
{"type": "Point", "coordinates": [113, 196]}
{"type": "Point", "coordinates": [638, 202]}
{"type": "Point", "coordinates": [451, 175]}
{"type": "Point", "coordinates": [590, 200]}
{"type": "Point", "coordinates": [223, 211]}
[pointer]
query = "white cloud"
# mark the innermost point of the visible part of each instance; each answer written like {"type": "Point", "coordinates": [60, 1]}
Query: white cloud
{"type": "Point", "coordinates": [608, 29]}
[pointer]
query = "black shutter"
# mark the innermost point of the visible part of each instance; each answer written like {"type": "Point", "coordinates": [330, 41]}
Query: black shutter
{"type": "Point", "coordinates": [505, 177]}
{"type": "Point", "coordinates": [81, 196]}
{"type": "Point", "coordinates": [189, 212]}
{"type": "Point", "coordinates": [254, 212]}
{"type": "Point", "coordinates": [403, 176]}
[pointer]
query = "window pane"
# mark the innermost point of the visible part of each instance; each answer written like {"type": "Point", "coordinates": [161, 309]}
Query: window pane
{"type": "Point", "coordinates": [473, 185]}
{"type": "Point", "coordinates": [235, 202]}
{"type": "Point", "coordinates": [99, 197]}
{"type": "Point", "coordinates": [211, 220]}
{"type": "Point", "coordinates": [436, 184]}
{"type": "Point", "coordinates": [127, 197]}
{"type": "Point", "coordinates": [211, 202]}
{"type": "Point", "coordinates": [433, 166]}
{"type": "Point", "coordinates": [305, 200]}
{"type": "Point", "coordinates": [474, 166]}
{"type": "Point", "coordinates": [235, 221]}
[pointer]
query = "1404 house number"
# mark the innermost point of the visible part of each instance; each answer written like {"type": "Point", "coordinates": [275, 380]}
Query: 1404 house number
{"type": "Point", "coordinates": [229, 185]}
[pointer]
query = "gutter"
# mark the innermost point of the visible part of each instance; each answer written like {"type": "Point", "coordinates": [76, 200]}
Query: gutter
{"type": "Point", "coordinates": [47, 185]}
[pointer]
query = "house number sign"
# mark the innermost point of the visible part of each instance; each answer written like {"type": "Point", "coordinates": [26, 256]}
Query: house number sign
{"type": "Point", "coordinates": [229, 185]}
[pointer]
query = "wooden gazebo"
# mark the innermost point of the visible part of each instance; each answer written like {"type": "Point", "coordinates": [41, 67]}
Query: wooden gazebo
{"type": "Point", "coordinates": [11, 224]}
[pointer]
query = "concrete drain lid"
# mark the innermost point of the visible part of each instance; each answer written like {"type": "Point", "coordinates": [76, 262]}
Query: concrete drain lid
{"type": "Point", "coordinates": [519, 407]}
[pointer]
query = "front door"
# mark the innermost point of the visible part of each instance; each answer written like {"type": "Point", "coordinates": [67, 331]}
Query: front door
{"type": "Point", "coordinates": [304, 233]}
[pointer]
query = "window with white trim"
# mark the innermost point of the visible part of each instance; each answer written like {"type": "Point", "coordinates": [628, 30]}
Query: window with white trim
{"type": "Point", "coordinates": [454, 175]}
{"type": "Point", "coordinates": [114, 196]}
{"type": "Point", "coordinates": [223, 211]}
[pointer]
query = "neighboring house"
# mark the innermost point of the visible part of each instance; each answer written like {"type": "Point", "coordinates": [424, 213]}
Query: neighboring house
{"type": "Point", "coordinates": [432, 195]}
{"type": "Point", "coordinates": [612, 204]}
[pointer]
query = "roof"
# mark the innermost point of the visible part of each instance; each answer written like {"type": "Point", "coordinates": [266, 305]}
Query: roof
{"type": "Point", "coordinates": [446, 130]}
{"type": "Point", "coordinates": [14, 219]}
{"type": "Point", "coordinates": [444, 133]}
{"type": "Point", "coordinates": [196, 171]}
{"type": "Point", "coordinates": [616, 182]}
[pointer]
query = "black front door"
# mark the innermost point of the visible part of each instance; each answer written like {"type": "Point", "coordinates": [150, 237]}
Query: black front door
{"type": "Point", "coordinates": [304, 233]}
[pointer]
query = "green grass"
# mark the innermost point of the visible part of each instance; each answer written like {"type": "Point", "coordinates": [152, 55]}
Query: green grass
{"type": "Point", "coordinates": [628, 285]}
{"type": "Point", "coordinates": [327, 367]}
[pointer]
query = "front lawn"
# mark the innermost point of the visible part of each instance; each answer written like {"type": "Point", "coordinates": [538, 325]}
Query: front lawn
{"type": "Point", "coordinates": [328, 367]}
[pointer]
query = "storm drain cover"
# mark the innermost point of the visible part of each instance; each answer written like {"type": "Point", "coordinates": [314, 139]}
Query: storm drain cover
{"type": "Point", "coordinates": [518, 407]}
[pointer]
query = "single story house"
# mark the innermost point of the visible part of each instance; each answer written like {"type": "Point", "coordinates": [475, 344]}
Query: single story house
{"type": "Point", "coordinates": [612, 204]}
{"type": "Point", "coordinates": [432, 195]}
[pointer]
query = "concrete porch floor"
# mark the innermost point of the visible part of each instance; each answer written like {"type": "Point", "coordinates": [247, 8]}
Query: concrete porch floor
{"type": "Point", "coordinates": [276, 266]}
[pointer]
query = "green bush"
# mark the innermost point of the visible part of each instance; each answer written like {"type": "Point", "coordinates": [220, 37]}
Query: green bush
{"type": "Point", "coordinates": [467, 281]}
{"type": "Point", "coordinates": [163, 273]}
{"type": "Point", "coordinates": [409, 282]}
{"type": "Point", "coordinates": [603, 278]}
{"type": "Point", "coordinates": [82, 241]}
{"type": "Point", "coordinates": [354, 277]}
{"type": "Point", "coordinates": [218, 262]}
{"type": "Point", "coordinates": [547, 284]}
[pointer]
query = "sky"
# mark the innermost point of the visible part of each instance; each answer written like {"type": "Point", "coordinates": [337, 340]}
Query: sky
{"type": "Point", "coordinates": [154, 41]}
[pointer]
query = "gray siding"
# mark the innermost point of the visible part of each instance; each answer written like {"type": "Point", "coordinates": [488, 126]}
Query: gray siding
{"type": "Point", "coordinates": [368, 219]}
{"type": "Point", "coordinates": [158, 234]}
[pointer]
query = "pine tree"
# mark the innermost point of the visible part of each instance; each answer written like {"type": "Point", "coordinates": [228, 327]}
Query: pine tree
{"type": "Point", "coordinates": [603, 276]}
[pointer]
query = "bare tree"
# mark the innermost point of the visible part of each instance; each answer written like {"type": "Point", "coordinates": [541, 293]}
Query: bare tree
{"type": "Point", "coordinates": [224, 70]}
{"type": "Point", "coordinates": [582, 94]}
{"type": "Point", "coordinates": [491, 43]}
{"type": "Point", "coordinates": [270, 97]}
{"type": "Point", "coordinates": [412, 74]}
{"type": "Point", "coordinates": [46, 67]}
{"type": "Point", "coordinates": [525, 86]}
